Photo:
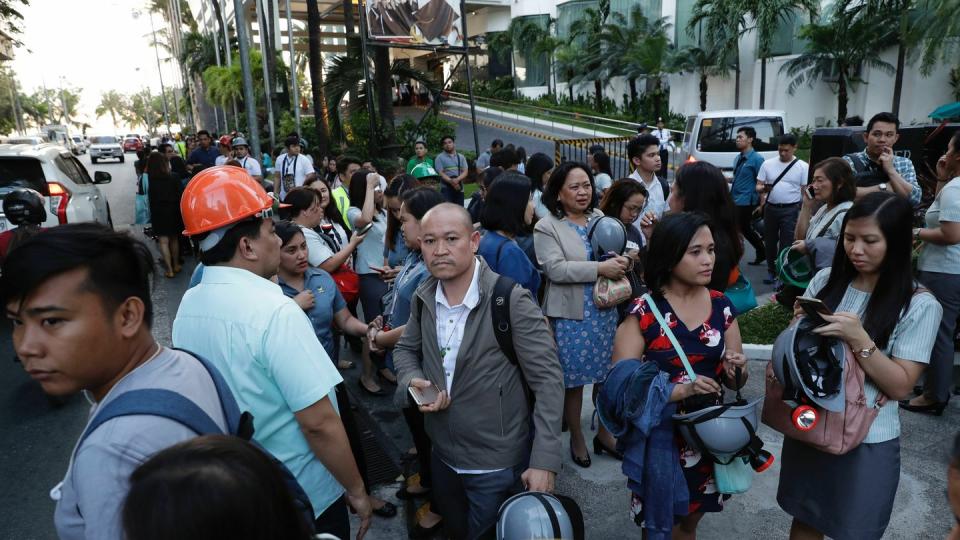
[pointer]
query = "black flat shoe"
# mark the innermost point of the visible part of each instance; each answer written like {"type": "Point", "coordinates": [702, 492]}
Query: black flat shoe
{"type": "Point", "coordinates": [418, 532]}
{"type": "Point", "coordinates": [936, 409]}
{"type": "Point", "coordinates": [388, 510]}
{"type": "Point", "coordinates": [363, 387]}
{"type": "Point", "coordinates": [405, 495]}
{"type": "Point", "coordinates": [599, 448]}
{"type": "Point", "coordinates": [581, 462]}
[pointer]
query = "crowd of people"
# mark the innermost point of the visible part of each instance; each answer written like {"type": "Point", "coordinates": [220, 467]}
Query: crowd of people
{"type": "Point", "coordinates": [483, 325]}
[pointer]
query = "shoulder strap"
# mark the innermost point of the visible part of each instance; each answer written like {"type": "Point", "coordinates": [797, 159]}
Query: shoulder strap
{"type": "Point", "coordinates": [784, 173]}
{"type": "Point", "coordinates": [154, 402]}
{"type": "Point", "coordinates": [665, 187]}
{"type": "Point", "coordinates": [826, 227]}
{"type": "Point", "coordinates": [500, 312]}
{"type": "Point", "coordinates": [669, 333]}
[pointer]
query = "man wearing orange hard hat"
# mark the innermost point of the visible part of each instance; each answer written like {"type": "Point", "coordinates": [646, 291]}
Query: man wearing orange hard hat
{"type": "Point", "coordinates": [264, 344]}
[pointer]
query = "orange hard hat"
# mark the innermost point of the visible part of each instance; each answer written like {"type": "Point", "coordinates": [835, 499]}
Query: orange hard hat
{"type": "Point", "coordinates": [225, 140]}
{"type": "Point", "coordinates": [219, 196]}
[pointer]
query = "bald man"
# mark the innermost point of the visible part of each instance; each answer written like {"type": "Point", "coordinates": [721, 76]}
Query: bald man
{"type": "Point", "coordinates": [473, 397]}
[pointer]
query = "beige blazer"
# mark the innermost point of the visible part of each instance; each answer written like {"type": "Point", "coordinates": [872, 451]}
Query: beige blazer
{"type": "Point", "coordinates": [564, 262]}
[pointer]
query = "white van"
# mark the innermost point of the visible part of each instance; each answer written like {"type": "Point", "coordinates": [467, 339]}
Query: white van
{"type": "Point", "coordinates": [711, 136]}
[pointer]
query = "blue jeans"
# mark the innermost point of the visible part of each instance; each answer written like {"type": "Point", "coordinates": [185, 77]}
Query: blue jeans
{"type": "Point", "coordinates": [450, 194]}
{"type": "Point", "coordinates": [469, 502]}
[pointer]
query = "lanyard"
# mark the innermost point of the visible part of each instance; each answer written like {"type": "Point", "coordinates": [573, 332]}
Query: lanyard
{"type": "Point", "coordinates": [286, 161]}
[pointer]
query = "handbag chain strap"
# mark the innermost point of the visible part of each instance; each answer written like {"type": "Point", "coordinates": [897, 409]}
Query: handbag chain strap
{"type": "Point", "coordinates": [669, 333]}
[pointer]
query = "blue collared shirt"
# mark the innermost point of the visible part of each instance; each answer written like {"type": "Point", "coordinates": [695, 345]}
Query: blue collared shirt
{"type": "Point", "coordinates": [327, 303]}
{"type": "Point", "coordinates": [265, 347]}
{"type": "Point", "coordinates": [904, 168]}
{"type": "Point", "coordinates": [208, 157]}
{"type": "Point", "coordinates": [745, 172]}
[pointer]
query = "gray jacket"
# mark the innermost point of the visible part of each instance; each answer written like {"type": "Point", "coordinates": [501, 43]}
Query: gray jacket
{"type": "Point", "coordinates": [564, 261]}
{"type": "Point", "coordinates": [487, 424]}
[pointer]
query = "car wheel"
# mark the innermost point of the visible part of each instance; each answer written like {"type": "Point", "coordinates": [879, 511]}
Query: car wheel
{"type": "Point", "coordinates": [121, 159]}
{"type": "Point", "coordinates": [93, 160]}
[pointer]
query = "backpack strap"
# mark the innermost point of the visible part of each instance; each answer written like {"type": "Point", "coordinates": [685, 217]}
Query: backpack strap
{"type": "Point", "coordinates": [500, 313]}
{"type": "Point", "coordinates": [154, 402]}
{"type": "Point", "coordinates": [239, 423]}
{"type": "Point", "coordinates": [665, 187]}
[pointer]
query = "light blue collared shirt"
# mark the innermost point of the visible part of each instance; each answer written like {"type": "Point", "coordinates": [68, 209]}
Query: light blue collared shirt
{"type": "Point", "coordinates": [266, 349]}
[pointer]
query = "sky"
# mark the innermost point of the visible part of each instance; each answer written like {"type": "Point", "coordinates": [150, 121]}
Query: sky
{"type": "Point", "coordinates": [96, 45]}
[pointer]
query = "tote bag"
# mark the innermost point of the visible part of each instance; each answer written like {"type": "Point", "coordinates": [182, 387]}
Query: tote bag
{"type": "Point", "coordinates": [142, 201]}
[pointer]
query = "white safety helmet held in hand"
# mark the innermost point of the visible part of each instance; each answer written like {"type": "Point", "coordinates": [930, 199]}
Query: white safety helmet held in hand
{"type": "Point", "coordinates": [810, 364]}
{"type": "Point", "coordinates": [534, 515]}
{"type": "Point", "coordinates": [606, 234]}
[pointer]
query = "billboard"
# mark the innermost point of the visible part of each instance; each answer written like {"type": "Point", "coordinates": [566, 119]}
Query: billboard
{"type": "Point", "coordinates": [418, 22]}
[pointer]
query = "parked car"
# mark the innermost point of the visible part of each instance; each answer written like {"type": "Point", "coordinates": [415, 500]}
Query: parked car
{"type": "Point", "coordinates": [80, 145]}
{"type": "Point", "coordinates": [105, 147]}
{"type": "Point", "coordinates": [32, 141]}
{"type": "Point", "coordinates": [710, 136]}
{"type": "Point", "coordinates": [131, 144]}
{"type": "Point", "coordinates": [71, 195]}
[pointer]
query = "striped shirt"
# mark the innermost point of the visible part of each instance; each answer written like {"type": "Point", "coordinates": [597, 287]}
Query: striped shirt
{"type": "Point", "coordinates": [946, 207]}
{"type": "Point", "coordinates": [912, 339]}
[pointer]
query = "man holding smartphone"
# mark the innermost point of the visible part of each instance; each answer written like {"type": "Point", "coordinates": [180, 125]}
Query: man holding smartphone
{"type": "Point", "coordinates": [877, 168]}
{"type": "Point", "coordinates": [475, 400]}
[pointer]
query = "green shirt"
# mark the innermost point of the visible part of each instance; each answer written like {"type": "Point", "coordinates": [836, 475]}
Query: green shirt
{"type": "Point", "coordinates": [414, 161]}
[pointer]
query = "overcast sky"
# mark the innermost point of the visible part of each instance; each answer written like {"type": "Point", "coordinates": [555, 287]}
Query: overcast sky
{"type": "Point", "coordinates": [96, 45]}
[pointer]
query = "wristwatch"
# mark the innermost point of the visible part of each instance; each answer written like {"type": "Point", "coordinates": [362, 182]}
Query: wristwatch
{"type": "Point", "coordinates": [882, 186]}
{"type": "Point", "coordinates": [866, 353]}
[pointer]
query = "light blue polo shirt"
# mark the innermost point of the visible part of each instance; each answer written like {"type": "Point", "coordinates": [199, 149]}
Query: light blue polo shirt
{"type": "Point", "coordinates": [327, 303]}
{"type": "Point", "coordinates": [265, 347]}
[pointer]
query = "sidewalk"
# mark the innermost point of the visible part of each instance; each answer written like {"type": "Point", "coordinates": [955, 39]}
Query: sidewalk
{"type": "Point", "coordinates": [920, 510]}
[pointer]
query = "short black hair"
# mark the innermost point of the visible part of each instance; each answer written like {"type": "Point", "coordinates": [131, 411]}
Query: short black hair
{"type": "Point", "coordinates": [286, 230]}
{"type": "Point", "coordinates": [787, 138]}
{"type": "Point", "coordinates": [162, 148]}
{"type": "Point", "coordinates": [118, 265]}
{"type": "Point", "coordinates": [886, 117]}
{"type": "Point", "coordinates": [344, 161]}
{"type": "Point", "coordinates": [667, 246]}
{"type": "Point", "coordinates": [290, 141]}
{"type": "Point", "coordinates": [537, 165]}
{"type": "Point", "coordinates": [506, 203]}
{"type": "Point", "coordinates": [505, 158]}
{"type": "Point", "coordinates": [491, 173]}
{"type": "Point", "coordinates": [748, 131]}
{"type": "Point", "coordinates": [496, 142]}
{"type": "Point", "coordinates": [445, 137]}
{"type": "Point", "coordinates": [419, 200]}
{"type": "Point", "coordinates": [551, 192]}
{"type": "Point", "coordinates": [637, 146]}
{"type": "Point", "coordinates": [203, 132]}
{"type": "Point", "coordinates": [424, 143]}
{"type": "Point", "coordinates": [227, 246]}
{"type": "Point", "coordinates": [594, 148]}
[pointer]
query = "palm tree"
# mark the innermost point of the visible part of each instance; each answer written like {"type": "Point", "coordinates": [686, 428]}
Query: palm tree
{"type": "Point", "coordinates": [588, 34]}
{"type": "Point", "coordinates": [621, 37]}
{"type": "Point", "coordinates": [704, 63]}
{"type": "Point", "coordinates": [568, 60]}
{"type": "Point", "coordinates": [112, 103]}
{"type": "Point", "coordinates": [638, 49]}
{"type": "Point", "coordinates": [769, 16]}
{"type": "Point", "coordinates": [721, 23]}
{"type": "Point", "coordinates": [525, 37]}
{"type": "Point", "coordinates": [321, 130]}
{"type": "Point", "coordinates": [837, 50]}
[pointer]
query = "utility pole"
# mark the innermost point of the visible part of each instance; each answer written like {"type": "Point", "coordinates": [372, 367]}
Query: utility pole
{"type": "Point", "coordinates": [15, 102]}
{"type": "Point", "coordinates": [248, 95]}
{"type": "Point", "coordinates": [293, 68]}
{"type": "Point", "coordinates": [262, 23]}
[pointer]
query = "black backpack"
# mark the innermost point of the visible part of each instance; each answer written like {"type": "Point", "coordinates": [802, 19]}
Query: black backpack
{"type": "Point", "coordinates": [180, 409]}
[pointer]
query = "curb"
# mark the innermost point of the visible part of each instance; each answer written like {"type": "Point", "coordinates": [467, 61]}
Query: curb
{"type": "Point", "coordinates": [755, 351]}
{"type": "Point", "coordinates": [487, 123]}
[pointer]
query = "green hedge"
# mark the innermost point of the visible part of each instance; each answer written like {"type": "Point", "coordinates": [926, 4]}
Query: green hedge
{"type": "Point", "coordinates": [762, 325]}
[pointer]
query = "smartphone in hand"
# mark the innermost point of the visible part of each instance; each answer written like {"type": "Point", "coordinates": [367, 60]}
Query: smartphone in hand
{"type": "Point", "coordinates": [424, 396]}
{"type": "Point", "coordinates": [814, 308]}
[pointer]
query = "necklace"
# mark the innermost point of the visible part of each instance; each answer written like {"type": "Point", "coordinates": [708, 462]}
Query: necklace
{"type": "Point", "coordinates": [446, 346]}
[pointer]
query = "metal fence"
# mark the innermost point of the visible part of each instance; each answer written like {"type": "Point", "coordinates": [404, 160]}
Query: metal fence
{"type": "Point", "coordinates": [615, 147]}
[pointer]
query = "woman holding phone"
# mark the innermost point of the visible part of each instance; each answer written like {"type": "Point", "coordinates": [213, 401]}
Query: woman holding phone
{"type": "Point", "coordinates": [316, 293]}
{"type": "Point", "coordinates": [833, 188]}
{"type": "Point", "coordinates": [366, 210]}
{"type": "Point", "coordinates": [679, 270]}
{"type": "Point", "coordinates": [890, 324]}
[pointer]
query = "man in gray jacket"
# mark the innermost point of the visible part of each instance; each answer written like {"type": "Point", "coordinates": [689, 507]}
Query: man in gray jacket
{"type": "Point", "coordinates": [479, 423]}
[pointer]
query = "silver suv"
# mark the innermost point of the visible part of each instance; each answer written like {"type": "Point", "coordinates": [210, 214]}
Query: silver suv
{"type": "Point", "coordinates": [105, 147]}
{"type": "Point", "coordinates": [71, 195]}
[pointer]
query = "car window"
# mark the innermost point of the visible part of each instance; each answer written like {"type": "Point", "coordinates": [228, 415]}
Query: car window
{"type": "Point", "coordinates": [719, 134]}
{"type": "Point", "coordinates": [104, 140]}
{"type": "Point", "coordinates": [22, 172]}
{"type": "Point", "coordinates": [67, 168]}
{"type": "Point", "coordinates": [132, 140]}
{"type": "Point", "coordinates": [81, 169]}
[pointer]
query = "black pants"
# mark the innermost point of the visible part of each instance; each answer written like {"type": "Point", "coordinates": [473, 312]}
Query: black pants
{"type": "Point", "coordinates": [779, 224]}
{"type": "Point", "coordinates": [744, 218]}
{"type": "Point", "coordinates": [664, 163]}
{"type": "Point", "coordinates": [334, 520]}
{"type": "Point", "coordinates": [451, 194]}
{"type": "Point", "coordinates": [353, 433]}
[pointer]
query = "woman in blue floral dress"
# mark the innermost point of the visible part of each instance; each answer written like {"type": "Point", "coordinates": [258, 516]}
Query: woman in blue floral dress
{"type": "Point", "coordinates": [584, 333]}
{"type": "Point", "coordinates": [680, 266]}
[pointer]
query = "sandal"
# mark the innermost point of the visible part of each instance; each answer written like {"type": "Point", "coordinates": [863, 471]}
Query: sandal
{"type": "Point", "coordinates": [388, 510]}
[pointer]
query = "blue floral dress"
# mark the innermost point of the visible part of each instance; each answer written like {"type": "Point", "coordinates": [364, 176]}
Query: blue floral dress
{"type": "Point", "coordinates": [586, 346]}
{"type": "Point", "coordinates": [704, 346]}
